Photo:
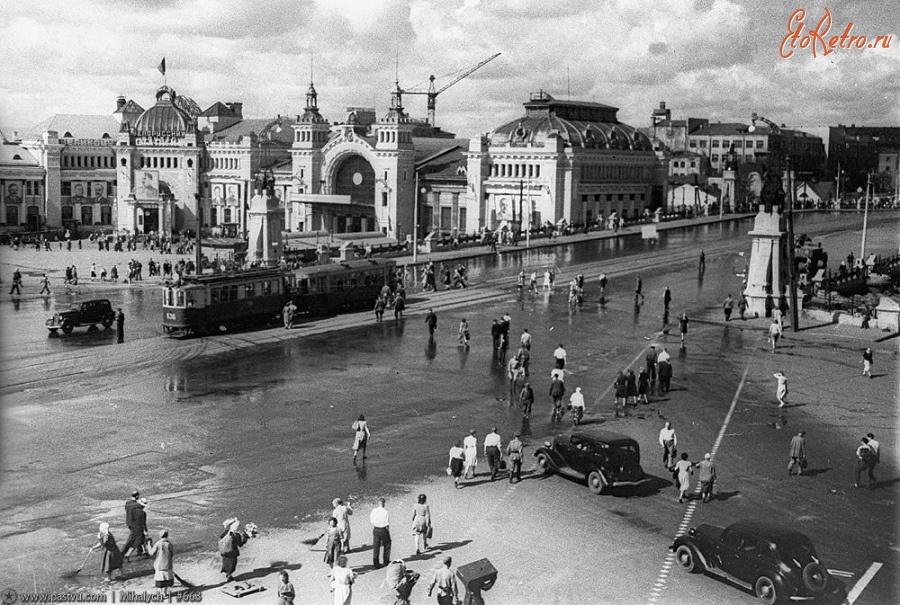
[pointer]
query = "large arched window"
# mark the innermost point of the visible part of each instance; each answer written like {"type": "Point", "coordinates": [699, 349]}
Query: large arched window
{"type": "Point", "coordinates": [67, 213]}
{"type": "Point", "coordinates": [106, 215]}
{"type": "Point", "coordinates": [356, 178]}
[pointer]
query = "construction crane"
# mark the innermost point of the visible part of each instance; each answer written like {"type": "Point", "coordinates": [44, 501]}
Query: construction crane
{"type": "Point", "coordinates": [432, 93]}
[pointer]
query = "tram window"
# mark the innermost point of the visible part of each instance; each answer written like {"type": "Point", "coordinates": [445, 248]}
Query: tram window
{"type": "Point", "coordinates": [232, 292]}
{"type": "Point", "coordinates": [267, 288]}
{"type": "Point", "coordinates": [169, 297]}
{"type": "Point", "coordinates": [353, 283]}
{"type": "Point", "coordinates": [190, 301]}
{"type": "Point", "coordinates": [214, 296]}
{"type": "Point", "coordinates": [180, 299]}
{"type": "Point", "coordinates": [304, 286]}
{"type": "Point", "coordinates": [248, 290]}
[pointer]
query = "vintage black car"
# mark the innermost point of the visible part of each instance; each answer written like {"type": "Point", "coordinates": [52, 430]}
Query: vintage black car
{"type": "Point", "coordinates": [776, 563]}
{"type": "Point", "coordinates": [87, 313]}
{"type": "Point", "coordinates": [603, 459]}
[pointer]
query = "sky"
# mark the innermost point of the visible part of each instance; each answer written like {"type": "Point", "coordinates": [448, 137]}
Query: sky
{"type": "Point", "coordinates": [716, 59]}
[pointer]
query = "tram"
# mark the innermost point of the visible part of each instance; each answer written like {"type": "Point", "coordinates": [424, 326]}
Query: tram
{"type": "Point", "coordinates": [340, 287]}
{"type": "Point", "coordinates": [203, 303]}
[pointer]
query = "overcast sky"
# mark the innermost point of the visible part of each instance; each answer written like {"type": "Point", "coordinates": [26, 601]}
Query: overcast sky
{"type": "Point", "coordinates": [707, 58]}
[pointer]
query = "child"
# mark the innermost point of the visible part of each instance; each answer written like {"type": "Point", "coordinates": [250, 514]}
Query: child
{"type": "Point", "coordinates": [285, 590]}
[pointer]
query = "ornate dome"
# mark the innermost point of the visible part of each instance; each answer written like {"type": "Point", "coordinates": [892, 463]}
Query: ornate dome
{"type": "Point", "coordinates": [164, 117]}
{"type": "Point", "coordinates": [577, 133]}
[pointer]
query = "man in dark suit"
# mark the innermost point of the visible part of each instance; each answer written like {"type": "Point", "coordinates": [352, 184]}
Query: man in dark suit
{"type": "Point", "coordinates": [136, 520]}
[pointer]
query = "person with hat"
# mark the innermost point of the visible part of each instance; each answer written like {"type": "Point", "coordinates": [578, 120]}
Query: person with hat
{"type": "Point", "coordinates": [230, 542]}
{"type": "Point", "coordinates": [342, 512]}
{"type": "Point", "coordinates": [136, 520]}
{"type": "Point", "coordinates": [526, 399]}
{"type": "Point", "coordinates": [163, 573]}
{"type": "Point", "coordinates": [576, 404]}
{"type": "Point", "coordinates": [515, 450]}
{"type": "Point", "coordinates": [112, 556]}
{"type": "Point", "coordinates": [707, 477]}
{"type": "Point", "coordinates": [401, 580]}
{"type": "Point", "coordinates": [445, 581]}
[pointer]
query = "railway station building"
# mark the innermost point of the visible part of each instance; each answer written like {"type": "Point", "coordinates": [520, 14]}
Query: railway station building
{"type": "Point", "coordinates": [152, 170]}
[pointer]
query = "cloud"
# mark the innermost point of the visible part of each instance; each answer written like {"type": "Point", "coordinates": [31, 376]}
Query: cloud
{"type": "Point", "coordinates": [707, 58]}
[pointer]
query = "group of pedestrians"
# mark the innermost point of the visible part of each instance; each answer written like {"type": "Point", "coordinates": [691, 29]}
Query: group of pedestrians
{"type": "Point", "coordinates": [682, 468]}
{"type": "Point", "coordinates": [139, 544]}
{"type": "Point", "coordinates": [464, 457]}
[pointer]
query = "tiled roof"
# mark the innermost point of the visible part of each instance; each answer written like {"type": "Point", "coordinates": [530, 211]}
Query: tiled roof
{"type": "Point", "coordinates": [9, 151]}
{"type": "Point", "coordinates": [728, 128]}
{"type": "Point", "coordinates": [233, 133]}
{"type": "Point", "coordinates": [427, 147]}
{"type": "Point", "coordinates": [80, 126]}
{"type": "Point", "coordinates": [218, 109]}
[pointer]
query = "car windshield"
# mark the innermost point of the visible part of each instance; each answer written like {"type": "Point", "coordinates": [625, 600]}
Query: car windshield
{"type": "Point", "coordinates": [75, 307]}
{"type": "Point", "coordinates": [797, 548]}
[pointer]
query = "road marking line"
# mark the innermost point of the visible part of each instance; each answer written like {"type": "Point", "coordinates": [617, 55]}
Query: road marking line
{"type": "Point", "coordinates": [863, 582]}
{"type": "Point", "coordinates": [692, 505]}
{"type": "Point", "coordinates": [838, 572]}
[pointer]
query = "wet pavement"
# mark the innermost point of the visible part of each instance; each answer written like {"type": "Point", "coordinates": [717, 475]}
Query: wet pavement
{"type": "Point", "coordinates": [263, 430]}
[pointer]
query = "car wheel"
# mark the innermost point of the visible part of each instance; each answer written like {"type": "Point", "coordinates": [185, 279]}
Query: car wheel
{"type": "Point", "coordinates": [543, 463]}
{"type": "Point", "coordinates": [688, 559]}
{"type": "Point", "coordinates": [815, 577]}
{"type": "Point", "coordinates": [107, 322]}
{"type": "Point", "coordinates": [767, 591]}
{"type": "Point", "coordinates": [597, 483]}
{"type": "Point", "coordinates": [67, 327]}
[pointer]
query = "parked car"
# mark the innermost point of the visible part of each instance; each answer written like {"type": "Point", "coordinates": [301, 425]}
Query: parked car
{"type": "Point", "coordinates": [87, 313]}
{"type": "Point", "coordinates": [602, 459]}
{"type": "Point", "coordinates": [777, 564]}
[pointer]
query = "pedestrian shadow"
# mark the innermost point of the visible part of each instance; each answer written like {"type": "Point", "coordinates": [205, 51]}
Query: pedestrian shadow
{"type": "Point", "coordinates": [436, 550]}
{"type": "Point", "coordinates": [651, 486]}
{"type": "Point", "coordinates": [885, 484]}
{"type": "Point", "coordinates": [363, 548]}
{"type": "Point", "coordinates": [592, 420]}
{"type": "Point", "coordinates": [879, 375]}
{"type": "Point", "coordinates": [259, 572]}
{"type": "Point", "coordinates": [792, 405]}
{"type": "Point", "coordinates": [812, 472]}
{"type": "Point", "coordinates": [724, 495]}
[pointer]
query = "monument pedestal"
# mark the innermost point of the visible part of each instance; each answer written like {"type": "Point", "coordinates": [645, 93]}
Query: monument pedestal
{"type": "Point", "coordinates": [767, 274]}
{"type": "Point", "coordinates": [265, 221]}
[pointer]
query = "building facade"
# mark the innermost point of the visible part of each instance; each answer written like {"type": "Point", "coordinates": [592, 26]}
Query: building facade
{"type": "Point", "coordinates": [853, 152]}
{"type": "Point", "coordinates": [569, 161]}
{"type": "Point", "coordinates": [173, 166]}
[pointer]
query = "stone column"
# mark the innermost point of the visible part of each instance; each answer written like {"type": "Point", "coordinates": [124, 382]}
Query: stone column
{"type": "Point", "coordinates": [765, 271]}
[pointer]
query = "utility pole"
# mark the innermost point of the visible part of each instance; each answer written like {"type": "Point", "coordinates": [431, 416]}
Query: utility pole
{"type": "Point", "coordinates": [199, 256]}
{"type": "Point", "coordinates": [795, 313]}
{"type": "Point", "coordinates": [862, 251]}
{"type": "Point", "coordinates": [415, 234]}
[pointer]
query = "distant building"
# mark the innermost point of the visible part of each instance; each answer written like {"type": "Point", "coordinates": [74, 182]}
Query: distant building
{"type": "Point", "coordinates": [689, 165]}
{"type": "Point", "coordinates": [152, 170]}
{"type": "Point", "coordinates": [567, 161]}
{"type": "Point", "coordinates": [854, 150]}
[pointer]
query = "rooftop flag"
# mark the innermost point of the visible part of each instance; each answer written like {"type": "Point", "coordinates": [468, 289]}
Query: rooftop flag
{"type": "Point", "coordinates": [162, 66]}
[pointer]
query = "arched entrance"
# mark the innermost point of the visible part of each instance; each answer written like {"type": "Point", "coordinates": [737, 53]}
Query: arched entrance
{"type": "Point", "coordinates": [355, 177]}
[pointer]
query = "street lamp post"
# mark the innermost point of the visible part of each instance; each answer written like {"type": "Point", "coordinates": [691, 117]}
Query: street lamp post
{"type": "Point", "coordinates": [862, 251]}
{"type": "Point", "coordinates": [795, 314]}
{"type": "Point", "coordinates": [199, 256]}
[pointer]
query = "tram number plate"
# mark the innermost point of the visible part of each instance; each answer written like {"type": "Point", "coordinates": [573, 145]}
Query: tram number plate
{"type": "Point", "coordinates": [170, 316]}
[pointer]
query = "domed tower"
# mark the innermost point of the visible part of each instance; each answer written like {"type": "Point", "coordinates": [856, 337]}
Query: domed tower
{"type": "Point", "coordinates": [311, 134]}
{"type": "Point", "coordinates": [158, 168]}
{"type": "Point", "coordinates": [396, 169]}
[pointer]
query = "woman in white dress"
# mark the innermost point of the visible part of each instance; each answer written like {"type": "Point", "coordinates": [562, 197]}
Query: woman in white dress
{"type": "Point", "coordinates": [471, 454]}
{"type": "Point", "coordinates": [782, 389]}
{"type": "Point", "coordinates": [342, 512]}
{"type": "Point", "coordinates": [342, 578]}
{"type": "Point", "coordinates": [684, 469]}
